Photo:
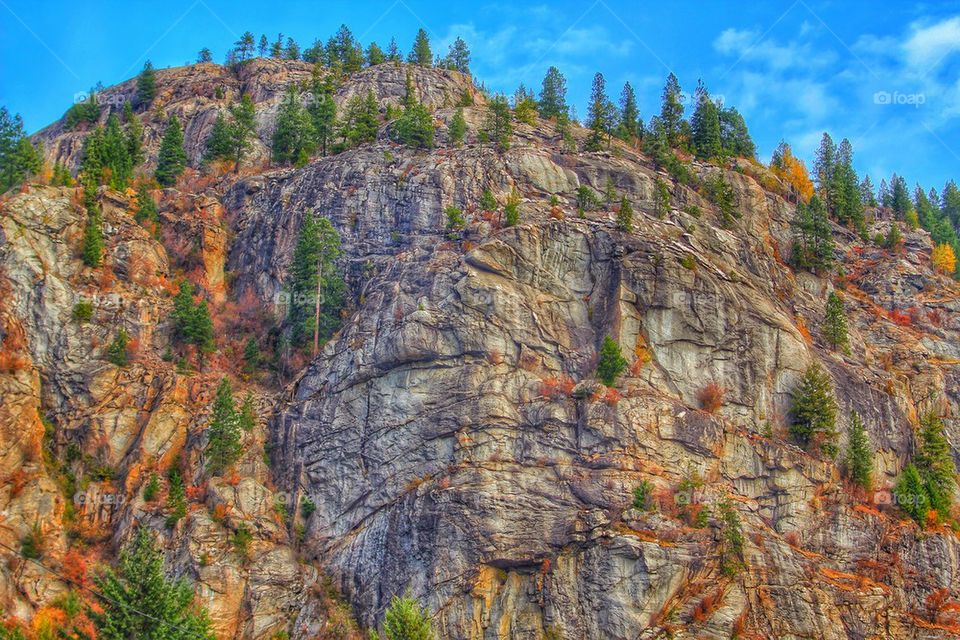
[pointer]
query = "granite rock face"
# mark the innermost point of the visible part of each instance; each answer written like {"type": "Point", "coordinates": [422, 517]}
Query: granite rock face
{"type": "Point", "coordinates": [452, 434]}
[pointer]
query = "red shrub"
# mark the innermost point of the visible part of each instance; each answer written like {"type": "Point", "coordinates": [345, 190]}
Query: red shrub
{"type": "Point", "coordinates": [711, 397]}
{"type": "Point", "coordinates": [74, 567]}
{"type": "Point", "coordinates": [900, 319]}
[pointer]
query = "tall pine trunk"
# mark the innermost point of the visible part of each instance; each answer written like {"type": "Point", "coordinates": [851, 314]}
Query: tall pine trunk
{"type": "Point", "coordinates": [316, 309]}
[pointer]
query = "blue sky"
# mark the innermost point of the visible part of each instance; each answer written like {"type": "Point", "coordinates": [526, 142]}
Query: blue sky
{"type": "Point", "coordinates": [885, 75]}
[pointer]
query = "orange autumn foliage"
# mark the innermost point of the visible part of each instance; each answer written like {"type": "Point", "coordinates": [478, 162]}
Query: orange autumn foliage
{"type": "Point", "coordinates": [74, 567]}
{"type": "Point", "coordinates": [711, 397]}
{"type": "Point", "coordinates": [793, 171]}
{"type": "Point", "coordinates": [943, 258]}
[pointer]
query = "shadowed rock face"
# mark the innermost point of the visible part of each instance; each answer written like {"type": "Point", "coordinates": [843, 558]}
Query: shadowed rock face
{"type": "Point", "coordinates": [452, 435]}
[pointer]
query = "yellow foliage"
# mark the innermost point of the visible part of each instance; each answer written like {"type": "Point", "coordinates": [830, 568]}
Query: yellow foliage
{"type": "Point", "coordinates": [943, 258]}
{"type": "Point", "coordinates": [794, 172]}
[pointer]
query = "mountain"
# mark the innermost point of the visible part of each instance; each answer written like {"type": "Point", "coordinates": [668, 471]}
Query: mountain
{"type": "Point", "coordinates": [451, 440]}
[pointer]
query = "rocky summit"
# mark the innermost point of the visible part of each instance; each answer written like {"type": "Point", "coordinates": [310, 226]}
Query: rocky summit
{"type": "Point", "coordinates": [565, 387]}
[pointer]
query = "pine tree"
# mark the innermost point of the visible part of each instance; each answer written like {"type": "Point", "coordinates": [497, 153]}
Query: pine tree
{"type": "Point", "coordinates": [263, 45]}
{"type": "Point", "coordinates": [859, 458]}
{"type": "Point", "coordinates": [393, 51]}
{"type": "Point", "coordinates": [361, 120]}
{"type": "Point", "coordinates": [883, 193]}
{"type": "Point", "coordinates": [291, 50]}
{"type": "Point", "coordinates": [845, 188]}
{"type": "Point", "coordinates": [315, 53]}
{"type": "Point", "coordinates": [315, 284]}
{"type": "Point", "coordinates": [835, 323]}
{"type": "Point", "coordinates": [294, 138]}
{"type": "Point", "coordinates": [610, 363]}
{"type": "Point", "coordinates": [928, 214]}
{"type": "Point", "coordinates": [134, 135]}
{"type": "Point", "coordinates": [251, 356]}
{"type": "Point", "coordinates": [813, 411]}
{"type": "Point", "coordinates": [599, 115]}
{"type": "Point", "coordinates": [812, 237]}
{"type": "Point", "coordinates": [525, 106]}
{"type": "Point", "coordinates": [276, 49]}
{"type": "Point", "coordinates": [950, 203]}
{"type": "Point", "coordinates": [414, 127]}
{"type": "Point", "coordinates": [183, 309]}
{"type": "Point", "coordinates": [218, 143]}
{"type": "Point", "coordinates": [911, 495]}
{"type": "Point", "coordinates": [165, 609]}
{"type": "Point", "coordinates": [894, 238]}
{"type": "Point", "coordinates": [171, 159]}
{"type": "Point", "coordinates": [511, 209]}
{"type": "Point", "coordinates": [629, 123]}
{"type": "Point", "coordinates": [661, 198]}
{"type": "Point", "coordinates": [487, 201]}
{"type": "Point", "coordinates": [375, 55]}
{"type": "Point", "coordinates": [409, 91]}
{"type": "Point", "coordinates": [204, 56]}
{"type": "Point", "coordinates": [82, 111]}
{"type": "Point", "coordinates": [242, 128]}
{"type": "Point", "coordinates": [323, 112]}
{"type": "Point", "coordinates": [705, 126]}
{"type": "Point", "coordinates": [625, 215]}
{"type": "Point", "coordinates": [899, 197]}
{"type": "Point", "coordinates": [200, 329]}
{"type": "Point", "coordinates": [146, 207]}
{"type": "Point", "coordinates": [18, 157]}
{"type": "Point", "coordinates": [553, 95]}
{"type": "Point", "coordinates": [458, 128]}
{"type": "Point", "coordinates": [735, 140]}
{"type": "Point", "coordinates": [146, 84]}
{"type": "Point", "coordinates": [498, 126]}
{"type": "Point", "coordinates": [722, 195]}
{"type": "Point", "coordinates": [176, 495]}
{"type": "Point", "coordinates": [732, 541]}
{"type": "Point", "coordinates": [152, 488]}
{"type": "Point", "coordinates": [671, 111]}
{"type": "Point", "coordinates": [824, 166]}
{"type": "Point", "coordinates": [93, 239]}
{"type": "Point", "coordinates": [61, 176]}
{"type": "Point", "coordinates": [420, 53]}
{"type": "Point", "coordinates": [243, 48]}
{"type": "Point", "coordinates": [117, 351]}
{"type": "Point", "coordinates": [406, 620]}
{"type": "Point", "coordinates": [458, 57]}
{"type": "Point", "coordinates": [935, 465]}
{"type": "Point", "coordinates": [247, 418]}
{"type": "Point", "coordinates": [115, 154]}
{"type": "Point", "coordinates": [192, 323]}
{"type": "Point", "coordinates": [224, 436]}
{"type": "Point", "coordinates": [867, 194]}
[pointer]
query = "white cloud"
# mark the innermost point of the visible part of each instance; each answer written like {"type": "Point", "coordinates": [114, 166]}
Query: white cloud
{"type": "Point", "coordinates": [751, 46]}
{"type": "Point", "coordinates": [928, 45]}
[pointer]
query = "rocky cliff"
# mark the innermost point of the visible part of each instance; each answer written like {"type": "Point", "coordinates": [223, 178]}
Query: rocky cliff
{"type": "Point", "coordinates": [452, 434]}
